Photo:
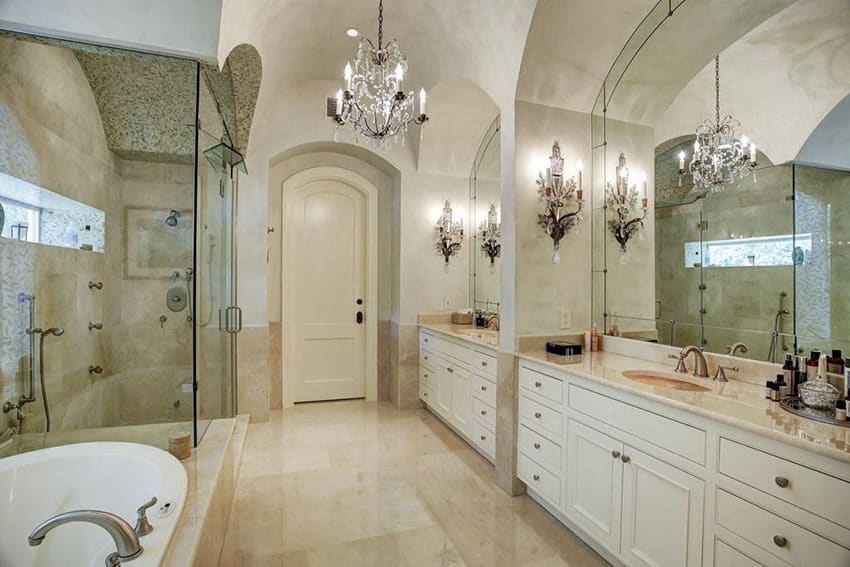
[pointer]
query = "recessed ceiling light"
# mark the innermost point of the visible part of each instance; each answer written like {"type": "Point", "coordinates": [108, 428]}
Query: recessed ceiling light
{"type": "Point", "coordinates": [351, 32]}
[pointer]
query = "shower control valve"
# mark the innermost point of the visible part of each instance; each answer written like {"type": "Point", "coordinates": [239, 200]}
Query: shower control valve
{"type": "Point", "coordinates": [97, 326]}
{"type": "Point", "coordinates": [95, 285]}
{"type": "Point", "coordinates": [95, 369]}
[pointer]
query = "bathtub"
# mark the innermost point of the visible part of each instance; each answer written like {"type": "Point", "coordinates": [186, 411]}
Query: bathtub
{"type": "Point", "coordinates": [116, 477]}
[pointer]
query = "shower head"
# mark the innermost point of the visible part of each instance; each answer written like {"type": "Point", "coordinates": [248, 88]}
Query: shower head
{"type": "Point", "coordinates": [55, 331]}
{"type": "Point", "coordinates": [171, 219]}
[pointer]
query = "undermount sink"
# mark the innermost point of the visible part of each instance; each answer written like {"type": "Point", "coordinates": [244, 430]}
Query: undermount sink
{"type": "Point", "coordinates": [662, 381]}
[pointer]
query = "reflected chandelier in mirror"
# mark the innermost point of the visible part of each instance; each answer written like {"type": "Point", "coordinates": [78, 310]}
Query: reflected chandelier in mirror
{"type": "Point", "coordinates": [555, 193]}
{"type": "Point", "coordinates": [622, 198]}
{"type": "Point", "coordinates": [491, 232]}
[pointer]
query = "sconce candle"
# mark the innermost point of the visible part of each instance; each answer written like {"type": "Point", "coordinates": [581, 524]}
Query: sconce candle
{"type": "Point", "coordinates": [555, 192]}
{"type": "Point", "coordinates": [491, 232]}
{"type": "Point", "coordinates": [622, 198]}
{"type": "Point", "coordinates": [449, 235]}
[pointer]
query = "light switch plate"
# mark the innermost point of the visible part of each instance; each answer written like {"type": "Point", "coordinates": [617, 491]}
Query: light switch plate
{"type": "Point", "coordinates": [566, 318]}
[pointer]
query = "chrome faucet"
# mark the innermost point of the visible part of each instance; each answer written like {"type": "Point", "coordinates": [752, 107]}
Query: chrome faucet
{"type": "Point", "coordinates": [126, 540]}
{"type": "Point", "coordinates": [700, 365]}
{"type": "Point", "coordinates": [735, 348]}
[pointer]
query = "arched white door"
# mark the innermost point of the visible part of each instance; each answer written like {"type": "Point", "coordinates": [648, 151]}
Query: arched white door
{"type": "Point", "coordinates": [326, 290]}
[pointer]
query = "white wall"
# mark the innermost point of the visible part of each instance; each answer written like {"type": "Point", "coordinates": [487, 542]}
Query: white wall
{"type": "Point", "coordinates": [188, 28]}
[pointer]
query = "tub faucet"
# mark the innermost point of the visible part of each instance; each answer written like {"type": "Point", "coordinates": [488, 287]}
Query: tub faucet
{"type": "Point", "coordinates": [700, 366]}
{"type": "Point", "coordinates": [126, 540]}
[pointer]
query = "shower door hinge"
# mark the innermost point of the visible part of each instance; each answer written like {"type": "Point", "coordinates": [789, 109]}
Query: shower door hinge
{"type": "Point", "coordinates": [702, 225]}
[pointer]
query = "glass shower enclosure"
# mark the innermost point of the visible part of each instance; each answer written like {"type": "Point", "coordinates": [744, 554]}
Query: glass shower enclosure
{"type": "Point", "coordinates": [118, 189]}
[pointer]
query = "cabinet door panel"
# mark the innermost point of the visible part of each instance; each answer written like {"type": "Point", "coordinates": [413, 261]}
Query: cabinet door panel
{"type": "Point", "coordinates": [594, 483]}
{"type": "Point", "coordinates": [445, 388]}
{"type": "Point", "coordinates": [461, 400]}
{"type": "Point", "coordinates": [662, 513]}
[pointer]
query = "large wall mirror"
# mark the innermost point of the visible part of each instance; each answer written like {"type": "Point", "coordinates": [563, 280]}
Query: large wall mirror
{"type": "Point", "coordinates": [485, 226]}
{"type": "Point", "coordinates": [750, 243]}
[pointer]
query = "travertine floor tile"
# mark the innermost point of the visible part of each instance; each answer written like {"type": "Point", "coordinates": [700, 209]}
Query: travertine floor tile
{"type": "Point", "coordinates": [363, 484]}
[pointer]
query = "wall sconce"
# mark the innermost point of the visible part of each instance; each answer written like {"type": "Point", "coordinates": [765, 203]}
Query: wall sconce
{"type": "Point", "coordinates": [622, 197]}
{"type": "Point", "coordinates": [555, 192]}
{"type": "Point", "coordinates": [449, 235]}
{"type": "Point", "coordinates": [491, 232]}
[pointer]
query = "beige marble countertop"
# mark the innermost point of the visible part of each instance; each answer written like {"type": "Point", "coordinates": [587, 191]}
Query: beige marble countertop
{"type": "Point", "coordinates": [736, 403]}
{"type": "Point", "coordinates": [475, 335]}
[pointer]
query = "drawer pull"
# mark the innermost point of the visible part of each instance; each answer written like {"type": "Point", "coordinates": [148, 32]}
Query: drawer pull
{"type": "Point", "coordinates": [537, 384]}
{"type": "Point", "coordinates": [780, 541]}
{"type": "Point", "coordinates": [450, 370]}
{"type": "Point", "coordinates": [426, 358]}
{"type": "Point", "coordinates": [538, 415]}
{"type": "Point", "coordinates": [425, 394]}
{"type": "Point", "coordinates": [537, 445]}
{"type": "Point", "coordinates": [615, 454]}
{"type": "Point", "coordinates": [536, 477]}
{"type": "Point", "coordinates": [781, 482]}
{"type": "Point", "coordinates": [483, 388]}
{"type": "Point", "coordinates": [483, 364]}
{"type": "Point", "coordinates": [483, 412]}
{"type": "Point", "coordinates": [425, 374]}
{"type": "Point", "coordinates": [483, 437]}
{"type": "Point", "coordinates": [625, 458]}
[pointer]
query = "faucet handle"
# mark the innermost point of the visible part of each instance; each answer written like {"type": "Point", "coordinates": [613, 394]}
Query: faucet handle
{"type": "Point", "coordinates": [681, 367]}
{"type": "Point", "coordinates": [720, 373]}
{"type": "Point", "coordinates": [143, 526]}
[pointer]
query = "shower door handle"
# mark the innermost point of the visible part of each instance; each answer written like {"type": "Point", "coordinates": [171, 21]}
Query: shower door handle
{"type": "Point", "coordinates": [233, 319]}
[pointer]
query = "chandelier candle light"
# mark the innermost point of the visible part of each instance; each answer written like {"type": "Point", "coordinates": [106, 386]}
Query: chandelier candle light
{"type": "Point", "coordinates": [719, 156]}
{"type": "Point", "coordinates": [491, 232]}
{"type": "Point", "coordinates": [555, 193]}
{"type": "Point", "coordinates": [374, 103]}
{"type": "Point", "coordinates": [622, 197]}
{"type": "Point", "coordinates": [449, 235]}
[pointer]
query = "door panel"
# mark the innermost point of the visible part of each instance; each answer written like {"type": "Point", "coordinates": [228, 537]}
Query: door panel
{"type": "Point", "coordinates": [445, 388]}
{"type": "Point", "coordinates": [662, 513]}
{"type": "Point", "coordinates": [462, 401]}
{"type": "Point", "coordinates": [329, 277]}
{"type": "Point", "coordinates": [595, 483]}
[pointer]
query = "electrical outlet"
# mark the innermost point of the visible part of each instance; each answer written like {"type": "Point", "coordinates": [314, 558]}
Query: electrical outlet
{"type": "Point", "coordinates": [447, 303]}
{"type": "Point", "coordinates": [566, 318]}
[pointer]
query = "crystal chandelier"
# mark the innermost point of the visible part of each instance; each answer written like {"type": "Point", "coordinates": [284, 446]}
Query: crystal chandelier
{"type": "Point", "coordinates": [374, 103]}
{"type": "Point", "coordinates": [719, 156]}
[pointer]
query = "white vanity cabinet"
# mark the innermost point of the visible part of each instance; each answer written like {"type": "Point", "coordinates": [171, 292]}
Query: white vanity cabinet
{"type": "Point", "coordinates": [650, 485]}
{"type": "Point", "coordinates": [457, 381]}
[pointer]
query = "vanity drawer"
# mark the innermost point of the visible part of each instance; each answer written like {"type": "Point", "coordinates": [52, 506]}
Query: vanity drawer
{"type": "Point", "coordinates": [484, 363]}
{"type": "Point", "coordinates": [727, 556]}
{"type": "Point", "coordinates": [674, 436]}
{"type": "Point", "coordinates": [484, 439]}
{"type": "Point", "coordinates": [777, 536]}
{"type": "Point", "coordinates": [548, 387]}
{"type": "Point", "coordinates": [539, 479]}
{"type": "Point", "coordinates": [426, 394]}
{"type": "Point", "coordinates": [427, 359]}
{"type": "Point", "coordinates": [427, 377]}
{"type": "Point", "coordinates": [801, 486]}
{"type": "Point", "coordinates": [540, 449]}
{"type": "Point", "coordinates": [427, 341]}
{"type": "Point", "coordinates": [484, 389]}
{"type": "Point", "coordinates": [540, 418]}
{"type": "Point", "coordinates": [484, 413]}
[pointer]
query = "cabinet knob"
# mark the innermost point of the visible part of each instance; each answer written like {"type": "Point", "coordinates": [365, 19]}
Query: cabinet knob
{"type": "Point", "coordinates": [483, 364]}
{"type": "Point", "coordinates": [536, 477]}
{"type": "Point", "coordinates": [625, 458]}
{"type": "Point", "coordinates": [450, 369]}
{"type": "Point", "coordinates": [615, 454]}
{"type": "Point", "coordinates": [483, 412]}
{"type": "Point", "coordinates": [537, 445]}
{"type": "Point", "coordinates": [537, 384]}
{"type": "Point", "coordinates": [483, 388]}
{"type": "Point", "coordinates": [780, 541]}
{"type": "Point", "coordinates": [483, 438]}
{"type": "Point", "coordinates": [781, 482]}
{"type": "Point", "coordinates": [538, 415]}
{"type": "Point", "coordinates": [426, 358]}
{"type": "Point", "coordinates": [425, 394]}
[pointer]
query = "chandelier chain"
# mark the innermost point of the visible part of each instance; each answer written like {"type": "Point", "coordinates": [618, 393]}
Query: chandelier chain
{"type": "Point", "coordinates": [717, 88]}
{"type": "Point", "coordinates": [380, 24]}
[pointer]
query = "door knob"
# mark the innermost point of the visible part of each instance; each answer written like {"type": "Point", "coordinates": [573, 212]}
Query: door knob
{"type": "Point", "coordinates": [359, 317]}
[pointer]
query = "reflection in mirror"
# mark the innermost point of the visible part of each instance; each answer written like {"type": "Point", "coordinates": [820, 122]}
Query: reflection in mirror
{"type": "Point", "coordinates": [484, 195]}
{"type": "Point", "coordinates": [763, 262]}
{"type": "Point", "coordinates": [33, 214]}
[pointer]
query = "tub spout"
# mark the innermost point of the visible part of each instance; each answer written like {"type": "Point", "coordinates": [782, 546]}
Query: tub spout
{"type": "Point", "coordinates": [126, 540]}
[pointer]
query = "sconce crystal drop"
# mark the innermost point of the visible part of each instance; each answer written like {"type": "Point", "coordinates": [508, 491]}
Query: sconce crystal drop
{"type": "Point", "coordinates": [491, 232]}
{"type": "Point", "coordinates": [622, 197]}
{"type": "Point", "coordinates": [556, 192]}
{"type": "Point", "coordinates": [449, 235]}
